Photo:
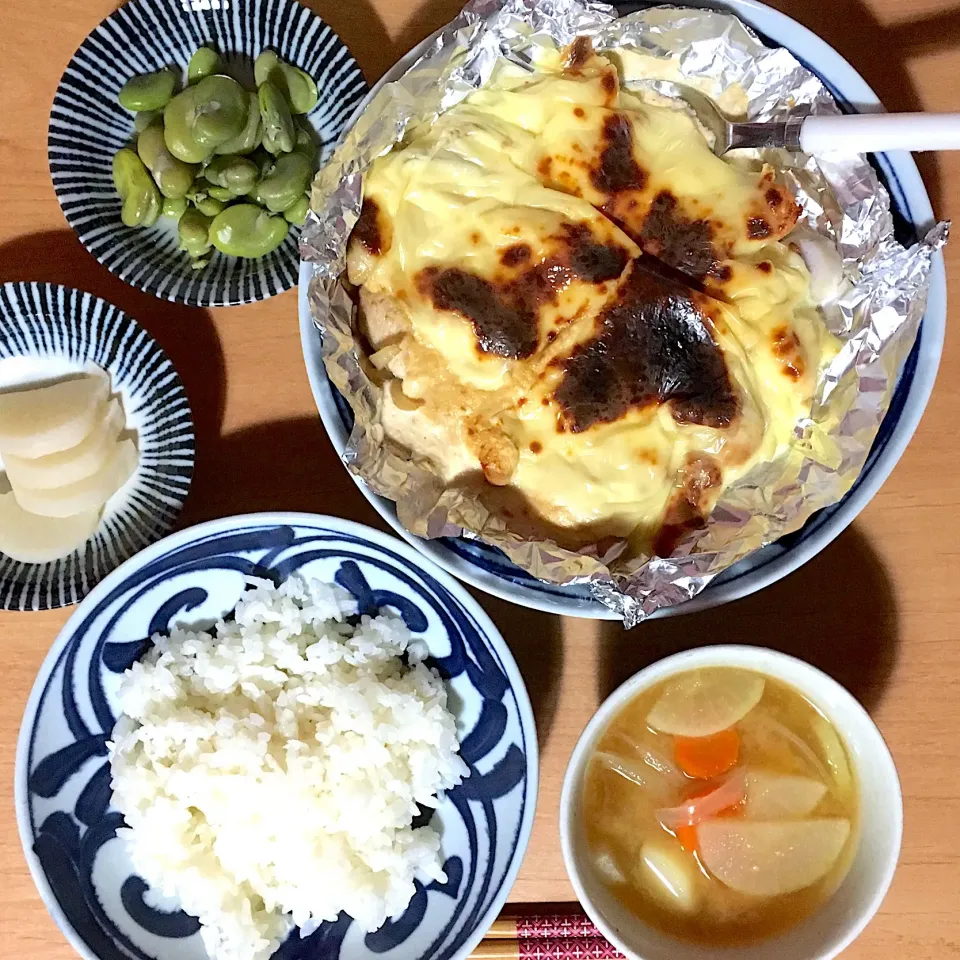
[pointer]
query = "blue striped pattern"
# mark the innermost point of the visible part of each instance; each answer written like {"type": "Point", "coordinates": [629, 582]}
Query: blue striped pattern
{"type": "Point", "coordinates": [45, 320]}
{"type": "Point", "coordinates": [88, 126]}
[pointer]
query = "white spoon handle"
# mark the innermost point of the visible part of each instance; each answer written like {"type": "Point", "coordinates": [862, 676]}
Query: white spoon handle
{"type": "Point", "coordinates": [877, 132]}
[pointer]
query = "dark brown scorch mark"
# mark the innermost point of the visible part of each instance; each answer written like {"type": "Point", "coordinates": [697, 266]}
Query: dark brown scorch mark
{"type": "Point", "coordinates": [367, 229]}
{"type": "Point", "coordinates": [653, 346]}
{"type": "Point", "coordinates": [687, 507]}
{"type": "Point", "coordinates": [610, 86]}
{"type": "Point", "coordinates": [581, 50]}
{"type": "Point", "coordinates": [505, 325]}
{"type": "Point", "coordinates": [686, 245]}
{"type": "Point", "coordinates": [514, 255]}
{"type": "Point", "coordinates": [757, 228]}
{"type": "Point", "coordinates": [765, 266]}
{"type": "Point", "coordinates": [504, 311]}
{"type": "Point", "coordinates": [617, 169]}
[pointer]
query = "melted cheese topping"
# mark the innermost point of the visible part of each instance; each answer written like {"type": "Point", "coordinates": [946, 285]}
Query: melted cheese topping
{"type": "Point", "coordinates": [578, 312]}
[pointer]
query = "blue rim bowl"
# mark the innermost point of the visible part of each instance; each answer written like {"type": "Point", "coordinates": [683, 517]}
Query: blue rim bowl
{"type": "Point", "coordinates": [62, 777]}
{"type": "Point", "coordinates": [488, 569]}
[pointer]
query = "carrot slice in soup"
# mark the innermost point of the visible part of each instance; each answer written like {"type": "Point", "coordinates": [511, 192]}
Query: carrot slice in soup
{"type": "Point", "coordinates": [686, 837]}
{"type": "Point", "coordinates": [706, 757]}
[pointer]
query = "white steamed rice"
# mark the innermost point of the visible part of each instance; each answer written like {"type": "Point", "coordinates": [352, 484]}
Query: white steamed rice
{"type": "Point", "coordinates": [269, 772]}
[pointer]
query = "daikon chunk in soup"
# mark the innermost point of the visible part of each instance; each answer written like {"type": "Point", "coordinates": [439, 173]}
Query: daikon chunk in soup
{"type": "Point", "coordinates": [720, 806]}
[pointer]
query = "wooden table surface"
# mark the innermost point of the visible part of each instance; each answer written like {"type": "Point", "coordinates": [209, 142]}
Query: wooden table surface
{"type": "Point", "coordinates": [879, 609]}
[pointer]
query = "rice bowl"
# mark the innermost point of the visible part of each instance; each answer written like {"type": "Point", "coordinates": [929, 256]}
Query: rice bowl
{"type": "Point", "coordinates": [269, 771]}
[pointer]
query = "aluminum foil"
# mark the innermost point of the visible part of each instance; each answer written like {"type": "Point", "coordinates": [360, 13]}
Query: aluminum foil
{"type": "Point", "coordinates": [876, 316]}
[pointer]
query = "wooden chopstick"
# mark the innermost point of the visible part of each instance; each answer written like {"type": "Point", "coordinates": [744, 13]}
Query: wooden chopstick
{"type": "Point", "coordinates": [552, 926]}
{"type": "Point", "coordinates": [545, 948]}
{"type": "Point", "coordinates": [543, 931]}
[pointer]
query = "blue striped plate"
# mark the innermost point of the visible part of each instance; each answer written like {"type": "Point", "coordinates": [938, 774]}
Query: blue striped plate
{"type": "Point", "coordinates": [88, 126]}
{"type": "Point", "coordinates": [48, 331]}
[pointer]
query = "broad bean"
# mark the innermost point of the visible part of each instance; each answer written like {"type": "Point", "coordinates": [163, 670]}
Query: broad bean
{"type": "Point", "coordinates": [174, 209]}
{"type": "Point", "coordinates": [249, 137]}
{"type": "Point", "coordinates": [172, 176]}
{"type": "Point", "coordinates": [202, 64]}
{"type": "Point", "coordinates": [279, 132]}
{"type": "Point", "coordinates": [140, 196]}
{"type": "Point", "coordinates": [263, 66]}
{"type": "Point", "coordinates": [238, 174]}
{"type": "Point", "coordinates": [297, 213]}
{"type": "Point", "coordinates": [285, 182]}
{"type": "Point", "coordinates": [178, 128]}
{"type": "Point", "coordinates": [145, 118]}
{"type": "Point", "coordinates": [193, 231]}
{"type": "Point", "coordinates": [298, 87]}
{"type": "Point", "coordinates": [220, 111]}
{"type": "Point", "coordinates": [246, 230]}
{"type": "Point", "coordinates": [148, 91]}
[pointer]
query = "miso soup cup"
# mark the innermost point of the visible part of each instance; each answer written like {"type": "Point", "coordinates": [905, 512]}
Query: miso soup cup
{"type": "Point", "coordinates": [841, 918]}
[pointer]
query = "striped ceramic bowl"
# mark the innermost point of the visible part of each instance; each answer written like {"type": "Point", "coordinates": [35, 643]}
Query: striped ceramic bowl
{"type": "Point", "coordinates": [88, 126]}
{"type": "Point", "coordinates": [48, 332]}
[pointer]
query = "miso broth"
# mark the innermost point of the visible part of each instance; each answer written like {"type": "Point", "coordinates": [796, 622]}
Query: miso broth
{"type": "Point", "coordinates": [720, 807]}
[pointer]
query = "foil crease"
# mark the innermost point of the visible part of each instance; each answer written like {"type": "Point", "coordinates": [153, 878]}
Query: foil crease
{"type": "Point", "coordinates": [876, 316]}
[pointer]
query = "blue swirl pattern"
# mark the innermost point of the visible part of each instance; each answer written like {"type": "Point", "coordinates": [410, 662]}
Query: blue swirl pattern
{"type": "Point", "coordinates": [484, 822]}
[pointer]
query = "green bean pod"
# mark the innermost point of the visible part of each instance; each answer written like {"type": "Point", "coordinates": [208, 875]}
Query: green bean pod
{"type": "Point", "coordinates": [249, 137]}
{"type": "Point", "coordinates": [220, 110]}
{"type": "Point", "coordinates": [148, 91]}
{"type": "Point", "coordinates": [246, 230]}
{"type": "Point", "coordinates": [285, 182]}
{"type": "Point", "coordinates": [141, 198]}
{"type": "Point", "coordinates": [279, 132]}
{"type": "Point", "coordinates": [203, 63]}
{"type": "Point", "coordinates": [172, 176]}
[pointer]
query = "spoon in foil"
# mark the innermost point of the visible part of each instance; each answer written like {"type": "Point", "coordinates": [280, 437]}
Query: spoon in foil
{"type": "Point", "coordinates": [851, 133]}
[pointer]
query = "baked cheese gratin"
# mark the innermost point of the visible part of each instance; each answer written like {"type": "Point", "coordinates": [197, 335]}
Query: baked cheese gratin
{"type": "Point", "coordinates": [578, 313]}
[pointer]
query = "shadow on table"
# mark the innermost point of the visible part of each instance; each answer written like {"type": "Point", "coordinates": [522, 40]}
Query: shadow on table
{"type": "Point", "coordinates": [186, 334]}
{"type": "Point", "coordinates": [837, 612]}
{"type": "Point", "coordinates": [286, 465]}
{"type": "Point", "coordinates": [536, 640]}
{"type": "Point", "coordinates": [880, 53]}
{"type": "Point", "coordinates": [358, 24]}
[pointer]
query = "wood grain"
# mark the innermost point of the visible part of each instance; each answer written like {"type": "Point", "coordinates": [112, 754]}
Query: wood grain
{"type": "Point", "coordinates": [880, 609]}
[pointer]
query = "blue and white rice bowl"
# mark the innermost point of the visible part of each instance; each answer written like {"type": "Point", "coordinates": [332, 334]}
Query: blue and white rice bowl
{"type": "Point", "coordinates": [62, 790]}
{"type": "Point", "coordinates": [487, 568]}
{"type": "Point", "coordinates": [88, 126]}
{"type": "Point", "coordinates": [48, 332]}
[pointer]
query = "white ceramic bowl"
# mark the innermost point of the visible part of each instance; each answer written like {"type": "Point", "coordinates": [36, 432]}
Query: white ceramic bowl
{"type": "Point", "coordinates": [489, 570]}
{"type": "Point", "coordinates": [858, 898]}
